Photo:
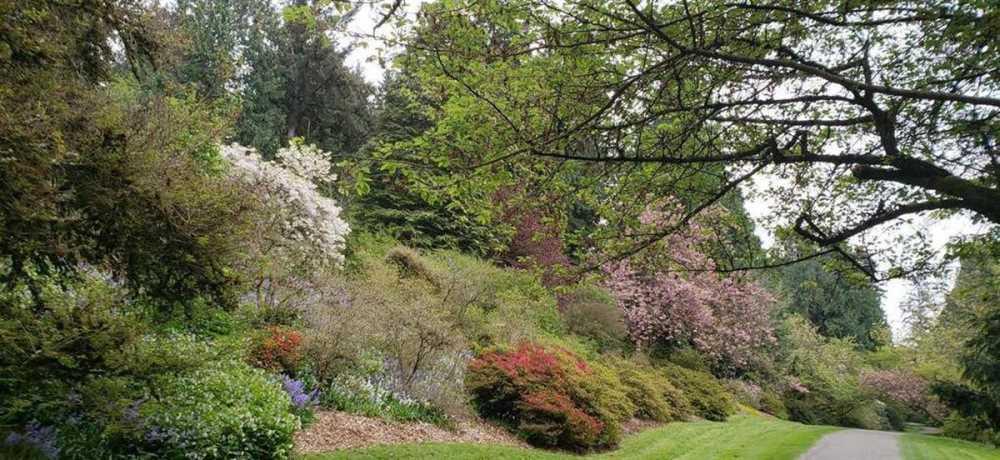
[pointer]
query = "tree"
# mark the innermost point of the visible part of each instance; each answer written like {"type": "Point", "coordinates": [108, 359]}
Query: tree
{"type": "Point", "coordinates": [324, 102]}
{"type": "Point", "coordinates": [864, 113]}
{"type": "Point", "coordinates": [389, 182]}
{"type": "Point", "coordinates": [727, 318]}
{"type": "Point", "coordinates": [836, 301]}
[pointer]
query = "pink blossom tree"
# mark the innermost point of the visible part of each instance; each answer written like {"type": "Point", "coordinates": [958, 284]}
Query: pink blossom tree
{"type": "Point", "coordinates": [671, 296]}
{"type": "Point", "coordinates": [905, 387]}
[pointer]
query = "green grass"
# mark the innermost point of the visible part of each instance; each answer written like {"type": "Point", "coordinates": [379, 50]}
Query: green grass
{"type": "Point", "coordinates": [742, 437]}
{"type": "Point", "coordinates": [921, 447]}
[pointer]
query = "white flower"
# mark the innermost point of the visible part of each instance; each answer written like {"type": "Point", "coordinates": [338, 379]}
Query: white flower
{"type": "Point", "coordinates": [309, 217]}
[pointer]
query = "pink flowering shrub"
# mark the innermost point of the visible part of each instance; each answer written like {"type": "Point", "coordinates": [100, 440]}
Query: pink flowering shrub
{"type": "Point", "coordinates": [906, 388]}
{"type": "Point", "coordinates": [671, 297]}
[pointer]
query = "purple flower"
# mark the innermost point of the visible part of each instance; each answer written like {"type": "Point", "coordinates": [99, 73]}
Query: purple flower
{"type": "Point", "coordinates": [157, 434]}
{"type": "Point", "coordinates": [296, 390]}
{"type": "Point", "coordinates": [40, 437]}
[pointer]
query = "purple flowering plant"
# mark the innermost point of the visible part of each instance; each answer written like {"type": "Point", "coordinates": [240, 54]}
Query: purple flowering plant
{"type": "Point", "coordinates": [296, 390]}
{"type": "Point", "coordinates": [42, 438]}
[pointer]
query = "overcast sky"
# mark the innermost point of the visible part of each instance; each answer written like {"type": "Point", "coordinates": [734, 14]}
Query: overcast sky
{"type": "Point", "coordinates": [894, 291]}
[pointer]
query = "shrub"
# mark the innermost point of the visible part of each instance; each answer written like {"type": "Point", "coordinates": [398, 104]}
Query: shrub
{"type": "Point", "coordinates": [745, 392]}
{"type": "Point", "coordinates": [654, 397]}
{"type": "Point", "coordinates": [771, 403]}
{"type": "Point", "coordinates": [75, 328]}
{"type": "Point", "coordinates": [35, 441]}
{"type": "Point", "coordinates": [707, 395]}
{"type": "Point", "coordinates": [976, 428]}
{"type": "Point", "coordinates": [727, 318]}
{"type": "Point", "coordinates": [591, 312]}
{"type": "Point", "coordinates": [230, 411]}
{"type": "Point", "coordinates": [549, 396]}
{"type": "Point", "coordinates": [278, 349]}
{"type": "Point", "coordinates": [410, 264]}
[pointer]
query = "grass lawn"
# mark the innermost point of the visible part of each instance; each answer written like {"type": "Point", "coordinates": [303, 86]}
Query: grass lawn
{"type": "Point", "coordinates": [923, 447]}
{"type": "Point", "coordinates": [743, 437]}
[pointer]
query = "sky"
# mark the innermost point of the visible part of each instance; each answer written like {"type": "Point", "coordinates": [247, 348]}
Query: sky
{"type": "Point", "coordinates": [894, 292]}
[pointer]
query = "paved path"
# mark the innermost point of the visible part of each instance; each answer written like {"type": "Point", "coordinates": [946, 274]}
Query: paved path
{"type": "Point", "coordinates": [856, 445]}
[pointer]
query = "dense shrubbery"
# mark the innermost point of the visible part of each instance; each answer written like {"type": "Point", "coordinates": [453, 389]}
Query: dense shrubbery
{"type": "Point", "coordinates": [373, 397]}
{"type": "Point", "coordinates": [727, 318]}
{"type": "Point", "coordinates": [709, 398]}
{"type": "Point", "coordinates": [277, 348]}
{"type": "Point", "coordinates": [592, 313]}
{"type": "Point", "coordinates": [550, 396]}
{"type": "Point", "coordinates": [654, 397]}
{"type": "Point", "coordinates": [231, 411]}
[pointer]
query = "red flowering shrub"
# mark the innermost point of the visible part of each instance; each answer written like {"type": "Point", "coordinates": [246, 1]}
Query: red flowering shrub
{"type": "Point", "coordinates": [551, 397]}
{"type": "Point", "coordinates": [279, 349]}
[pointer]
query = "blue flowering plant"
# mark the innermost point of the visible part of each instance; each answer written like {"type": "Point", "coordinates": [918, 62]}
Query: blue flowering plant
{"type": "Point", "coordinates": [301, 398]}
{"type": "Point", "coordinates": [35, 441]}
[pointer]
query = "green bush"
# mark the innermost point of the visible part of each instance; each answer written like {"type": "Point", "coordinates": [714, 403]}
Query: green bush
{"type": "Point", "coordinates": [707, 395]}
{"type": "Point", "coordinates": [72, 328]}
{"type": "Point", "coordinates": [654, 397]}
{"type": "Point", "coordinates": [592, 312]}
{"type": "Point", "coordinates": [550, 396]}
{"type": "Point", "coordinates": [976, 429]}
{"type": "Point", "coordinates": [771, 403]}
{"type": "Point", "coordinates": [228, 411]}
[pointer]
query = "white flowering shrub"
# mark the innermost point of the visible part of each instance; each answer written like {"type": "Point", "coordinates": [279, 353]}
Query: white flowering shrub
{"type": "Point", "coordinates": [292, 183]}
{"type": "Point", "coordinates": [296, 234]}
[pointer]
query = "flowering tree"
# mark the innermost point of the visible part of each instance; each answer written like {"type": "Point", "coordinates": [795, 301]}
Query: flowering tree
{"type": "Point", "coordinates": [299, 232]}
{"type": "Point", "coordinates": [671, 296]}
{"type": "Point", "coordinates": [905, 387]}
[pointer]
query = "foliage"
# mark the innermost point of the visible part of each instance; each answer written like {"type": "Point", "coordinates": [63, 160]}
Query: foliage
{"type": "Point", "coordinates": [292, 183]}
{"type": "Point", "coordinates": [840, 304]}
{"type": "Point", "coordinates": [591, 312]}
{"type": "Point", "coordinates": [537, 241]}
{"type": "Point", "coordinates": [653, 396]}
{"type": "Point", "coordinates": [709, 398]}
{"type": "Point", "coordinates": [74, 329]}
{"type": "Point", "coordinates": [974, 428]}
{"type": "Point", "coordinates": [277, 349]}
{"type": "Point", "coordinates": [550, 396]}
{"type": "Point", "coordinates": [224, 412]}
{"type": "Point", "coordinates": [42, 439]}
{"type": "Point", "coordinates": [904, 387]}
{"type": "Point", "coordinates": [823, 378]}
{"type": "Point", "coordinates": [612, 98]}
{"type": "Point", "coordinates": [370, 396]}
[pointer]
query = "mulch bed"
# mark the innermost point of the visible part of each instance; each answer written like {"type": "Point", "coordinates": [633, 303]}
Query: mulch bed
{"type": "Point", "coordinates": [338, 430]}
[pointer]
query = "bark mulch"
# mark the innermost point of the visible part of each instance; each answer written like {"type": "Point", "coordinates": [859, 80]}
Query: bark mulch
{"type": "Point", "coordinates": [338, 430]}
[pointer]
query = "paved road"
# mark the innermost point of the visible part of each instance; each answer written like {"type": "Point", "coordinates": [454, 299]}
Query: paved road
{"type": "Point", "coordinates": [856, 445]}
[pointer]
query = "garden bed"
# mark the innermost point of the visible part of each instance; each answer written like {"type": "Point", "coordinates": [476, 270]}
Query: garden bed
{"type": "Point", "coordinates": [338, 430]}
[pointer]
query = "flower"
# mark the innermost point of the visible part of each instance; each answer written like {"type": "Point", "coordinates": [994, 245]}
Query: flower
{"type": "Point", "coordinates": [308, 217]}
{"type": "Point", "coordinates": [43, 438]}
{"type": "Point", "coordinates": [725, 317]}
{"type": "Point", "coordinates": [296, 391]}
